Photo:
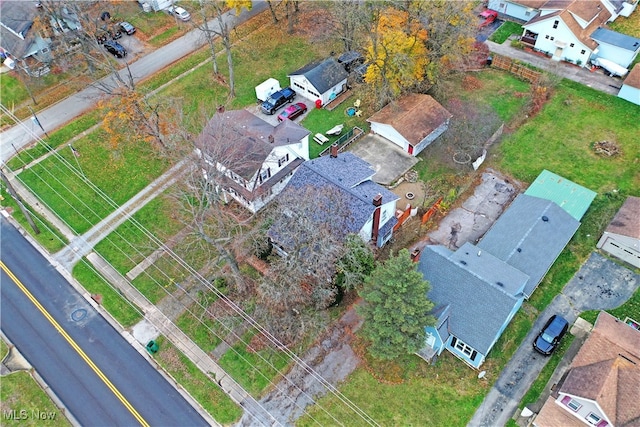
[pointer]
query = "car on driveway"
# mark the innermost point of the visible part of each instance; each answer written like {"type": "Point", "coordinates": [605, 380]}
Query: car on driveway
{"type": "Point", "coordinates": [292, 111]}
{"type": "Point", "coordinates": [179, 13]}
{"type": "Point", "coordinates": [127, 28]}
{"type": "Point", "coordinates": [115, 48]}
{"type": "Point", "coordinates": [550, 336]}
{"type": "Point", "coordinates": [277, 100]}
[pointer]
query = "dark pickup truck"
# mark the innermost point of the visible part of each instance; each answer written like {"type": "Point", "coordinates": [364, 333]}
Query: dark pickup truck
{"type": "Point", "coordinates": [277, 100]}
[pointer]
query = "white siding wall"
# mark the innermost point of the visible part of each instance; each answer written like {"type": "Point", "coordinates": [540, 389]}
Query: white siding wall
{"type": "Point", "coordinates": [561, 34]}
{"type": "Point", "coordinates": [430, 138]}
{"type": "Point", "coordinates": [303, 87]}
{"type": "Point", "coordinates": [387, 211]}
{"type": "Point", "coordinates": [629, 93]}
{"type": "Point", "coordinates": [588, 406]}
{"type": "Point", "coordinates": [389, 132]}
{"type": "Point", "coordinates": [616, 54]}
{"type": "Point", "coordinates": [336, 90]}
{"type": "Point", "coordinates": [514, 10]}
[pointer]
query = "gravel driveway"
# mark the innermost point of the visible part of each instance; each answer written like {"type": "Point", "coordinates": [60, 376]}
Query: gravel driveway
{"type": "Point", "coordinates": [600, 284]}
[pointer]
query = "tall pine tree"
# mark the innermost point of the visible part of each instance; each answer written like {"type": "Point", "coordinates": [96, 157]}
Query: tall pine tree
{"type": "Point", "coordinates": [396, 308]}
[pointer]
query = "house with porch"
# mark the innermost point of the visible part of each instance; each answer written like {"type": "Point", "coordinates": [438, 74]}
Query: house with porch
{"type": "Point", "coordinates": [478, 288]}
{"type": "Point", "coordinates": [370, 207]}
{"type": "Point", "coordinates": [253, 160]}
{"type": "Point", "coordinates": [412, 122]}
{"type": "Point", "coordinates": [602, 385]}
{"type": "Point", "coordinates": [320, 81]}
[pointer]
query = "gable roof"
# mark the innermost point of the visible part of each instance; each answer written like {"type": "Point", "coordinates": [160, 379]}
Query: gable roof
{"type": "Point", "coordinates": [529, 236]}
{"type": "Point", "coordinates": [604, 35]}
{"type": "Point", "coordinates": [607, 370]}
{"type": "Point", "coordinates": [478, 306]}
{"type": "Point", "coordinates": [323, 75]}
{"type": "Point", "coordinates": [633, 78]}
{"type": "Point", "coordinates": [573, 198]}
{"type": "Point", "coordinates": [16, 19]}
{"type": "Point", "coordinates": [246, 139]}
{"type": "Point", "coordinates": [352, 177]}
{"type": "Point", "coordinates": [626, 221]}
{"type": "Point", "coordinates": [414, 116]}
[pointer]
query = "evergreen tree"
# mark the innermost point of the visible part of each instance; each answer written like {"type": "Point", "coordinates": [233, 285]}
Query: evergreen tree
{"type": "Point", "coordinates": [396, 308]}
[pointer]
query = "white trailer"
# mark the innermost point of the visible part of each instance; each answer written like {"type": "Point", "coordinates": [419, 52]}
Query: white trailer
{"type": "Point", "coordinates": [610, 66]}
{"type": "Point", "coordinates": [266, 88]}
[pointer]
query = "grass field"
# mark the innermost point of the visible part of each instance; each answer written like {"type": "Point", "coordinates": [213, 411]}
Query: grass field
{"type": "Point", "coordinates": [504, 31]}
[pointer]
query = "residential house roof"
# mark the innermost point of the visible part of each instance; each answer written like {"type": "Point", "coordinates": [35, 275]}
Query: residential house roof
{"type": "Point", "coordinates": [604, 35]}
{"type": "Point", "coordinates": [529, 236]}
{"type": "Point", "coordinates": [573, 198]}
{"type": "Point", "coordinates": [633, 78]}
{"type": "Point", "coordinates": [607, 371]}
{"type": "Point", "coordinates": [352, 176]}
{"type": "Point", "coordinates": [533, 4]}
{"type": "Point", "coordinates": [246, 139]}
{"type": "Point", "coordinates": [414, 116]}
{"type": "Point", "coordinates": [16, 19]}
{"type": "Point", "coordinates": [479, 306]}
{"type": "Point", "coordinates": [592, 13]}
{"type": "Point", "coordinates": [626, 222]}
{"type": "Point", "coordinates": [323, 75]}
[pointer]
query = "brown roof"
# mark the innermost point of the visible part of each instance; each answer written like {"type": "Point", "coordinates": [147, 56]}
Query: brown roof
{"type": "Point", "coordinates": [414, 116]}
{"type": "Point", "coordinates": [626, 221]}
{"type": "Point", "coordinates": [534, 4]}
{"type": "Point", "coordinates": [607, 370]}
{"type": "Point", "coordinates": [552, 415]}
{"type": "Point", "coordinates": [633, 79]}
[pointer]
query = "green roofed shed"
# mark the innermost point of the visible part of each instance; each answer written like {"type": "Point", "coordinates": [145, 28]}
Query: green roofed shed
{"type": "Point", "coordinates": [573, 198]}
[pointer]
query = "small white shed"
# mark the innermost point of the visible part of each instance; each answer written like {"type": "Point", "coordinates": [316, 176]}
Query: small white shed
{"type": "Point", "coordinates": [630, 89]}
{"type": "Point", "coordinates": [622, 236]}
{"type": "Point", "coordinates": [266, 88]}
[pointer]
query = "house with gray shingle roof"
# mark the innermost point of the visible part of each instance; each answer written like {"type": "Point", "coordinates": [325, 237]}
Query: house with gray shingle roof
{"type": "Point", "coordinates": [482, 286]}
{"type": "Point", "coordinates": [254, 159]}
{"type": "Point", "coordinates": [617, 47]}
{"type": "Point", "coordinates": [371, 207]}
{"type": "Point", "coordinates": [323, 80]}
{"type": "Point", "coordinates": [18, 40]}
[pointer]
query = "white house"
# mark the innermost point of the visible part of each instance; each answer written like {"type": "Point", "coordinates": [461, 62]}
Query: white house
{"type": "Point", "coordinates": [622, 236]}
{"type": "Point", "coordinates": [322, 81]}
{"type": "Point", "coordinates": [412, 122]}
{"type": "Point", "coordinates": [255, 159]}
{"type": "Point", "coordinates": [619, 48]}
{"type": "Point", "coordinates": [18, 41]}
{"type": "Point", "coordinates": [630, 89]}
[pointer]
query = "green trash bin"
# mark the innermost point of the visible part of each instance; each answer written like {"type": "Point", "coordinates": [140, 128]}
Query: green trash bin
{"type": "Point", "coordinates": [152, 347]}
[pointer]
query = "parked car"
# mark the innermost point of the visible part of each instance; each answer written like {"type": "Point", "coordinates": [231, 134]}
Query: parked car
{"type": "Point", "coordinates": [115, 48]}
{"type": "Point", "coordinates": [179, 13]}
{"type": "Point", "coordinates": [488, 16]}
{"type": "Point", "coordinates": [550, 336]}
{"type": "Point", "coordinates": [127, 28]}
{"type": "Point", "coordinates": [292, 111]}
{"type": "Point", "coordinates": [277, 100]}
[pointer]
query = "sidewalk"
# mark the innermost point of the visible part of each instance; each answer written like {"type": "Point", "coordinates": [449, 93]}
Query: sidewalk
{"type": "Point", "coordinates": [596, 79]}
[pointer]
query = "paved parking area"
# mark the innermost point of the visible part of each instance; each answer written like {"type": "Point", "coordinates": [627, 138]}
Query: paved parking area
{"type": "Point", "coordinates": [388, 160]}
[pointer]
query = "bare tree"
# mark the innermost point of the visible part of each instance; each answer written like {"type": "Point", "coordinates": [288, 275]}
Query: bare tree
{"type": "Point", "coordinates": [350, 19]}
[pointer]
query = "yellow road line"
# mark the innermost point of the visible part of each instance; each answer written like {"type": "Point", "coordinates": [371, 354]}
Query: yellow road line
{"type": "Point", "coordinates": [75, 346]}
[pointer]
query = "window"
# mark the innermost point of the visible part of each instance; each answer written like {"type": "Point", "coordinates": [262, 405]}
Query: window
{"type": "Point", "coordinates": [572, 45]}
{"type": "Point", "coordinates": [384, 214]}
{"type": "Point", "coordinates": [264, 175]}
{"type": "Point", "coordinates": [582, 52]}
{"type": "Point", "coordinates": [552, 38]}
{"type": "Point", "coordinates": [283, 160]}
{"type": "Point", "coordinates": [546, 37]}
{"type": "Point", "coordinates": [465, 349]}
{"type": "Point", "coordinates": [574, 405]}
{"type": "Point", "coordinates": [555, 23]}
{"type": "Point", "coordinates": [527, 13]}
{"type": "Point", "coordinates": [593, 418]}
{"type": "Point", "coordinates": [431, 340]}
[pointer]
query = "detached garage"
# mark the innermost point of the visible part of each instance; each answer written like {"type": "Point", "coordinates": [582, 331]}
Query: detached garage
{"type": "Point", "coordinates": [320, 81]}
{"type": "Point", "coordinates": [630, 89]}
{"type": "Point", "coordinates": [622, 236]}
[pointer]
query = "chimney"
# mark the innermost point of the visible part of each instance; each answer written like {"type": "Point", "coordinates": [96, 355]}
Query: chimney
{"type": "Point", "coordinates": [271, 139]}
{"type": "Point", "coordinates": [334, 150]}
{"type": "Point", "coordinates": [377, 202]}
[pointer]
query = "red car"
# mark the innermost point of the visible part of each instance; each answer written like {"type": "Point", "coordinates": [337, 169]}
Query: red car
{"type": "Point", "coordinates": [488, 17]}
{"type": "Point", "coordinates": [292, 111]}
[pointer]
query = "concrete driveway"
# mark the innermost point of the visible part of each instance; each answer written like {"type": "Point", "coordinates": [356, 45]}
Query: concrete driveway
{"type": "Point", "coordinates": [389, 161]}
{"type": "Point", "coordinates": [600, 284]}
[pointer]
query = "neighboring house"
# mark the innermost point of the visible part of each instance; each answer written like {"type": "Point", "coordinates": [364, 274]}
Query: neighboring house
{"type": "Point", "coordinates": [411, 122]}
{"type": "Point", "coordinates": [570, 30]}
{"type": "Point", "coordinates": [257, 159]}
{"type": "Point", "coordinates": [602, 386]}
{"type": "Point", "coordinates": [18, 41]}
{"type": "Point", "coordinates": [372, 207]}
{"type": "Point", "coordinates": [322, 81]}
{"type": "Point", "coordinates": [630, 89]}
{"type": "Point", "coordinates": [622, 236]}
{"type": "Point", "coordinates": [478, 288]}
{"type": "Point", "coordinates": [616, 47]}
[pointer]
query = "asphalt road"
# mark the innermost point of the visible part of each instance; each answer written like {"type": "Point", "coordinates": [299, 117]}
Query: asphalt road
{"type": "Point", "coordinates": [66, 110]}
{"type": "Point", "coordinates": [94, 371]}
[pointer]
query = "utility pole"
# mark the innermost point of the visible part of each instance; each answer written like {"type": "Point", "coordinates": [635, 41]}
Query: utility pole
{"type": "Point", "coordinates": [35, 119]}
{"type": "Point", "coordinates": [18, 200]}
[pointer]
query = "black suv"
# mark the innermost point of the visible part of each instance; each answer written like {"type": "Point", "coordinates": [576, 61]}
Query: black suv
{"type": "Point", "coordinates": [116, 49]}
{"type": "Point", "coordinates": [277, 100]}
{"type": "Point", "coordinates": [550, 336]}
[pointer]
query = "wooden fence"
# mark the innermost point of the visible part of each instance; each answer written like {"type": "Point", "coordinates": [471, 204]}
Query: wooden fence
{"type": "Point", "coordinates": [432, 210]}
{"type": "Point", "coordinates": [345, 140]}
{"type": "Point", "coordinates": [508, 64]}
{"type": "Point", "coordinates": [402, 218]}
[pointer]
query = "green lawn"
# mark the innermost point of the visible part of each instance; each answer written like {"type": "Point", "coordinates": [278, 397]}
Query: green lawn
{"type": "Point", "coordinates": [504, 31]}
{"type": "Point", "coordinates": [22, 396]}
{"type": "Point", "coordinates": [12, 89]}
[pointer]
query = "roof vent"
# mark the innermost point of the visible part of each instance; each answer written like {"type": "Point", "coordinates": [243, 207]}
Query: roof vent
{"type": "Point", "coordinates": [519, 249]}
{"type": "Point", "coordinates": [545, 218]}
{"type": "Point", "coordinates": [500, 284]}
{"type": "Point", "coordinates": [463, 262]}
{"type": "Point", "coordinates": [479, 253]}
